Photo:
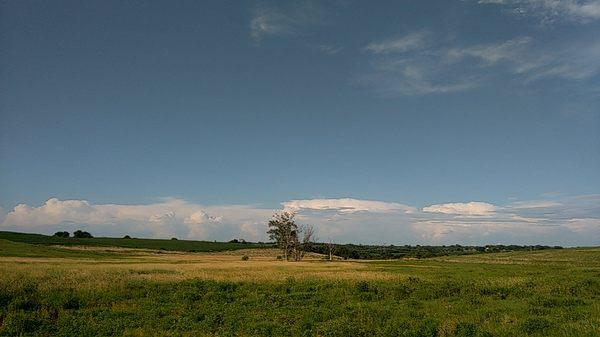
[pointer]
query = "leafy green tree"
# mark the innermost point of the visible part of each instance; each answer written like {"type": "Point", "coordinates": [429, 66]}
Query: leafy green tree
{"type": "Point", "coordinates": [81, 234]}
{"type": "Point", "coordinates": [286, 234]}
{"type": "Point", "coordinates": [62, 234]}
{"type": "Point", "coordinates": [284, 231]}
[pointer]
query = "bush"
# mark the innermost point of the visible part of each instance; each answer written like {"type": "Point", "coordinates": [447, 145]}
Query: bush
{"type": "Point", "coordinates": [62, 234]}
{"type": "Point", "coordinates": [127, 237]}
{"type": "Point", "coordinates": [245, 257]}
{"type": "Point", "coordinates": [175, 239]}
{"type": "Point", "coordinates": [82, 235]}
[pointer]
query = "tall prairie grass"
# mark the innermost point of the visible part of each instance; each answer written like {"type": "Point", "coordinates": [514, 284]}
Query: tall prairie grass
{"type": "Point", "coordinates": [53, 291]}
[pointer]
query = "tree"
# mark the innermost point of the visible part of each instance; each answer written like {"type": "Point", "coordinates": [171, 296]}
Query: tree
{"type": "Point", "coordinates": [62, 234]}
{"type": "Point", "coordinates": [308, 237]}
{"type": "Point", "coordinates": [330, 248]}
{"type": "Point", "coordinates": [286, 234]}
{"type": "Point", "coordinates": [284, 231]}
{"type": "Point", "coordinates": [81, 234]}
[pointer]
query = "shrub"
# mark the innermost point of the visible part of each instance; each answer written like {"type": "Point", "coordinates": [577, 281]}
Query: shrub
{"type": "Point", "coordinates": [82, 235]}
{"type": "Point", "coordinates": [174, 239]}
{"type": "Point", "coordinates": [62, 234]}
{"type": "Point", "coordinates": [127, 237]}
{"type": "Point", "coordinates": [245, 257]}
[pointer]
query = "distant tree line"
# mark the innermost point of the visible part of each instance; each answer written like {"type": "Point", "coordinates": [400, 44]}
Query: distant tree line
{"type": "Point", "coordinates": [78, 234]}
{"type": "Point", "coordinates": [376, 252]}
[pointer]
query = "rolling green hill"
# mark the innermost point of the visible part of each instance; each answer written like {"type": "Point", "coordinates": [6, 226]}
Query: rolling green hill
{"type": "Point", "coordinates": [170, 245]}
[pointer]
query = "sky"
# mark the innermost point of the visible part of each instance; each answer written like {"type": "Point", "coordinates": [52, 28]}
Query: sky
{"type": "Point", "coordinates": [395, 122]}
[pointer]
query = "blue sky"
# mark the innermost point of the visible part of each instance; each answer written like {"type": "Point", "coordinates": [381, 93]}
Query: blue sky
{"type": "Point", "coordinates": [432, 122]}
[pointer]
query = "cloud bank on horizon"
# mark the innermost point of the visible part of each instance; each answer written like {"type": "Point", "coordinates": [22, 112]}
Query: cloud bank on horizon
{"type": "Point", "coordinates": [565, 221]}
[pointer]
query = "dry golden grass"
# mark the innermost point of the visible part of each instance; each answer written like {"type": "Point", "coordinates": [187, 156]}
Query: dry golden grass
{"type": "Point", "coordinates": [176, 266]}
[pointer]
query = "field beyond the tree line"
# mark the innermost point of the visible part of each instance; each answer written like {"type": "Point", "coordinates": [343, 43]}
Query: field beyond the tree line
{"type": "Point", "coordinates": [74, 290]}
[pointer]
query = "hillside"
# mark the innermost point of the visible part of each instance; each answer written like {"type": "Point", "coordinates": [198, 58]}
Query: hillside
{"type": "Point", "coordinates": [158, 244]}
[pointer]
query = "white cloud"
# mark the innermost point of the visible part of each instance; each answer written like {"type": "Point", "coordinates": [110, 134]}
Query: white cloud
{"type": "Point", "coordinates": [408, 67]}
{"type": "Point", "coordinates": [567, 221]}
{"type": "Point", "coordinates": [346, 205]}
{"type": "Point", "coordinates": [173, 217]}
{"type": "Point", "coordinates": [509, 50]}
{"type": "Point", "coordinates": [585, 226]}
{"type": "Point", "coordinates": [473, 208]}
{"type": "Point", "coordinates": [279, 21]}
{"type": "Point", "coordinates": [411, 41]}
{"type": "Point", "coordinates": [582, 11]}
{"type": "Point", "coordinates": [534, 204]}
{"type": "Point", "coordinates": [329, 49]}
{"type": "Point", "coordinates": [267, 22]}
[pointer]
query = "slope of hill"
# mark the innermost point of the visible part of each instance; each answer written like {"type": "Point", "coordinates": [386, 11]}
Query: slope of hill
{"type": "Point", "coordinates": [170, 245]}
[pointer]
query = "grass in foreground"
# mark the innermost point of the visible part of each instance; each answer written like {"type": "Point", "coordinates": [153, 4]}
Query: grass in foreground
{"type": "Point", "coordinates": [141, 293]}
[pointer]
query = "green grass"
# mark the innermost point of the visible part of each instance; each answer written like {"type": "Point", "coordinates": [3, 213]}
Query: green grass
{"type": "Point", "coordinates": [543, 293]}
{"type": "Point", "coordinates": [18, 249]}
{"type": "Point", "coordinates": [169, 245]}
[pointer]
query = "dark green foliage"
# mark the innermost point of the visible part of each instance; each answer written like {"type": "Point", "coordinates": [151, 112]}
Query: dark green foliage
{"type": "Point", "coordinates": [373, 252]}
{"type": "Point", "coordinates": [127, 237]}
{"type": "Point", "coordinates": [82, 235]}
{"type": "Point", "coordinates": [62, 234]}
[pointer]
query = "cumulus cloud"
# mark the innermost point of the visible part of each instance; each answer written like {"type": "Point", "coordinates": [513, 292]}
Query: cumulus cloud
{"type": "Point", "coordinates": [566, 220]}
{"type": "Point", "coordinates": [172, 217]}
{"type": "Point", "coordinates": [470, 208]}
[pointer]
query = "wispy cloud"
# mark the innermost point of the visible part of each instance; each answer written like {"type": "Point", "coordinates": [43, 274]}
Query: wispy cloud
{"type": "Point", "coordinates": [412, 41]}
{"type": "Point", "coordinates": [468, 208]}
{"type": "Point", "coordinates": [410, 66]}
{"type": "Point", "coordinates": [280, 20]}
{"type": "Point", "coordinates": [582, 11]}
{"type": "Point", "coordinates": [270, 21]}
{"type": "Point", "coordinates": [329, 49]}
{"type": "Point", "coordinates": [347, 205]}
{"type": "Point", "coordinates": [493, 53]}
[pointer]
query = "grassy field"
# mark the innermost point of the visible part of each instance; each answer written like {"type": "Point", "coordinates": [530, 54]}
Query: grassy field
{"type": "Point", "coordinates": [170, 245]}
{"type": "Point", "coordinates": [103, 291]}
